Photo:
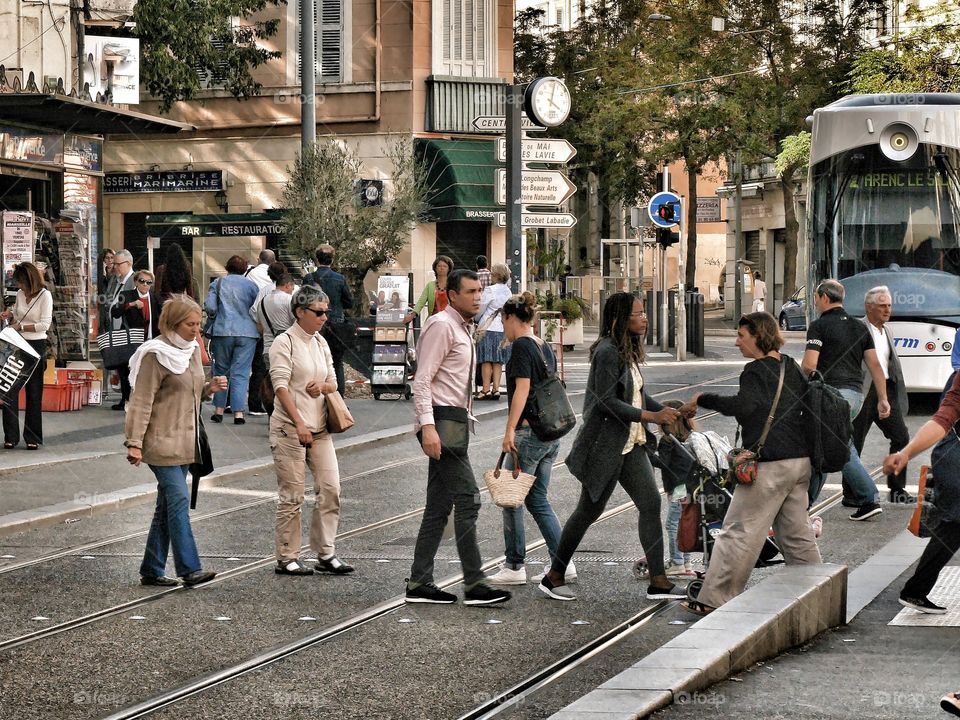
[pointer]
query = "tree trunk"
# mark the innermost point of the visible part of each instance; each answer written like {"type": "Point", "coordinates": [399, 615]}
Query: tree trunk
{"type": "Point", "coordinates": [690, 271]}
{"type": "Point", "coordinates": [355, 278]}
{"type": "Point", "coordinates": [792, 231]}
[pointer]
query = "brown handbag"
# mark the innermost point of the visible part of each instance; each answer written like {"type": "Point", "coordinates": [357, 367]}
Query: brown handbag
{"type": "Point", "coordinates": [689, 537]}
{"type": "Point", "coordinates": [743, 463]}
{"type": "Point", "coordinates": [339, 418]}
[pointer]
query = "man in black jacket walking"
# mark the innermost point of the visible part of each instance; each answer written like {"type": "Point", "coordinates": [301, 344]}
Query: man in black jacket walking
{"type": "Point", "coordinates": [339, 332]}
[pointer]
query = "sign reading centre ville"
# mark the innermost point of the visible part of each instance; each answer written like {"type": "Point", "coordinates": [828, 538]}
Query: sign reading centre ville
{"type": "Point", "coordinates": [163, 181]}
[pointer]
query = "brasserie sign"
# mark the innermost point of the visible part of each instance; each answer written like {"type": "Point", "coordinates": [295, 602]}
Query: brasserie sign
{"type": "Point", "coordinates": [163, 181]}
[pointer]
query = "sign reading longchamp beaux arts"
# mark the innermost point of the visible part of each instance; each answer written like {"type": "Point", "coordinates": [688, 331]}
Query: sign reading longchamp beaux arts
{"type": "Point", "coordinates": [163, 181]}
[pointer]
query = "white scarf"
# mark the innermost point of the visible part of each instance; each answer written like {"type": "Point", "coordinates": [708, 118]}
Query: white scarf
{"type": "Point", "coordinates": [174, 357]}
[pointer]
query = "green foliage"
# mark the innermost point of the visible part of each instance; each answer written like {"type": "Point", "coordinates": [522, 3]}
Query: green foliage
{"type": "Point", "coordinates": [320, 205]}
{"type": "Point", "coordinates": [181, 40]}
{"type": "Point", "coordinates": [794, 154]}
{"type": "Point", "coordinates": [571, 308]}
{"type": "Point", "coordinates": [923, 60]}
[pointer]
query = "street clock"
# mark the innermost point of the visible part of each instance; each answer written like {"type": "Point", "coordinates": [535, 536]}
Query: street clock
{"type": "Point", "coordinates": [547, 101]}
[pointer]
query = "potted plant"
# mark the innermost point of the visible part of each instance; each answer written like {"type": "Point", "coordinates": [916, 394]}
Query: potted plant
{"type": "Point", "coordinates": [571, 309]}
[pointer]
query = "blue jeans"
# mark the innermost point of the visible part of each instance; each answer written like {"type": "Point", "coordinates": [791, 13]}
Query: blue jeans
{"type": "Point", "coordinates": [171, 525]}
{"type": "Point", "coordinates": [233, 357]}
{"type": "Point", "coordinates": [673, 526]}
{"type": "Point", "coordinates": [863, 490]}
{"type": "Point", "coordinates": [537, 458]}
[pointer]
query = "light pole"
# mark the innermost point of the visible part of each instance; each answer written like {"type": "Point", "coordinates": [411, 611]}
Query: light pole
{"type": "Point", "coordinates": [308, 79]}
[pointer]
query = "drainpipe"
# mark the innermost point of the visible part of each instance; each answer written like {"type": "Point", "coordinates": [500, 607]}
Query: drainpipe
{"type": "Point", "coordinates": [377, 100]}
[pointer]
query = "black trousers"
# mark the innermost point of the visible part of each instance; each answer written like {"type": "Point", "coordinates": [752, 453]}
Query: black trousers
{"type": "Point", "coordinates": [337, 351]}
{"type": "Point", "coordinates": [941, 547]}
{"type": "Point", "coordinates": [893, 428]}
{"type": "Point", "coordinates": [124, 373]}
{"type": "Point", "coordinates": [33, 416]}
{"type": "Point", "coordinates": [257, 373]}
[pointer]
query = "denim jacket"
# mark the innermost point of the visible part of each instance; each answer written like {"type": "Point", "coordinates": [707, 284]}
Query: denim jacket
{"type": "Point", "coordinates": [336, 288]}
{"type": "Point", "coordinates": [231, 309]}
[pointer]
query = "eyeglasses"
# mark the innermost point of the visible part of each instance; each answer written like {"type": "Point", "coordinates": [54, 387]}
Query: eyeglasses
{"type": "Point", "coordinates": [122, 262]}
{"type": "Point", "coordinates": [638, 314]}
{"type": "Point", "coordinates": [318, 313]}
{"type": "Point", "coordinates": [144, 281]}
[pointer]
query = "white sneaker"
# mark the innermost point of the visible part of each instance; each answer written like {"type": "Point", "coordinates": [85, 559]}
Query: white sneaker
{"type": "Point", "coordinates": [569, 576]}
{"type": "Point", "coordinates": [506, 576]}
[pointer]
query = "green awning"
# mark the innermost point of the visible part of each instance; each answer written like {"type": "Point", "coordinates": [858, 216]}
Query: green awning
{"type": "Point", "coordinates": [460, 178]}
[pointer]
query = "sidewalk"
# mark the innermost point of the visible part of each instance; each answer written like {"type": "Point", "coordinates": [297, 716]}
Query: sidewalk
{"type": "Point", "coordinates": [81, 469]}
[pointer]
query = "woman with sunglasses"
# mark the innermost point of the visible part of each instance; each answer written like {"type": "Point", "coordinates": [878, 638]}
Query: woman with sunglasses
{"type": "Point", "coordinates": [31, 316]}
{"type": "Point", "coordinates": [301, 369]}
{"type": "Point", "coordinates": [140, 307]}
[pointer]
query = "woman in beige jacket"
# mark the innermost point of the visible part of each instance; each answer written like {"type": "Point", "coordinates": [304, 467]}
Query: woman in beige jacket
{"type": "Point", "coordinates": [166, 380]}
{"type": "Point", "coordinates": [301, 369]}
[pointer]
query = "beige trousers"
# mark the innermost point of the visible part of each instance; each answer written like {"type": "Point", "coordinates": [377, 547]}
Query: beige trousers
{"type": "Point", "coordinates": [291, 459]}
{"type": "Point", "coordinates": [778, 497]}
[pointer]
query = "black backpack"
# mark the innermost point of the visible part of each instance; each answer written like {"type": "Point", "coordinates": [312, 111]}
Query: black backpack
{"type": "Point", "coordinates": [828, 425]}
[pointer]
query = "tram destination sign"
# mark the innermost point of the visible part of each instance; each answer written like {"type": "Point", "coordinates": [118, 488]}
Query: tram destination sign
{"type": "Point", "coordinates": [537, 187]}
{"type": "Point", "coordinates": [560, 221]}
{"type": "Point", "coordinates": [163, 181]}
{"type": "Point", "coordinates": [543, 151]}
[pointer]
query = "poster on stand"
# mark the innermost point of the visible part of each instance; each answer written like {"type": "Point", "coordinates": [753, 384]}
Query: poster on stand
{"type": "Point", "coordinates": [392, 294]}
{"type": "Point", "coordinates": [17, 243]}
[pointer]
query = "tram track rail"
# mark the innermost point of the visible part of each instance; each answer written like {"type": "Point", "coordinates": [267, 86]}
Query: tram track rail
{"type": "Point", "coordinates": [97, 544]}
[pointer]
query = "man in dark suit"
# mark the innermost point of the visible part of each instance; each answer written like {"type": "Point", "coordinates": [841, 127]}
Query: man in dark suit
{"type": "Point", "coordinates": [879, 305]}
{"type": "Point", "coordinates": [339, 332]}
{"type": "Point", "coordinates": [137, 308]}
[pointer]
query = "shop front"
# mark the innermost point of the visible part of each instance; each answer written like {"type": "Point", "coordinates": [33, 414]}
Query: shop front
{"type": "Point", "coordinates": [51, 195]}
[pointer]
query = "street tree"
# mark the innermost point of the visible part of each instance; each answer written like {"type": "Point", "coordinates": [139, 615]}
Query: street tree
{"type": "Point", "coordinates": [321, 205]}
{"type": "Point", "coordinates": [183, 42]}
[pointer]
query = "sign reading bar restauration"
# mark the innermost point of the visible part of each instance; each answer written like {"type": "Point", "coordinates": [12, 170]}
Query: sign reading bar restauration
{"type": "Point", "coordinates": [543, 151]}
{"type": "Point", "coordinates": [163, 181]}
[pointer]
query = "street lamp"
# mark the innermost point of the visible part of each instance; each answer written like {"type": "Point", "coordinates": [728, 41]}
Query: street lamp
{"type": "Point", "coordinates": [221, 199]}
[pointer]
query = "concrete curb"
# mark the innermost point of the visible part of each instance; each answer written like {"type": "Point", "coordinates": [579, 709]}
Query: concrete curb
{"type": "Point", "coordinates": [724, 332]}
{"type": "Point", "coordinates": [783, 611]}
{"type": "Point", "coordinates": [85, 505]}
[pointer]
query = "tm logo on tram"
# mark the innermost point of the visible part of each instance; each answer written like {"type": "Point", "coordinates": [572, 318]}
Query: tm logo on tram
{"type": "Point", "coordinates": [906, 343]}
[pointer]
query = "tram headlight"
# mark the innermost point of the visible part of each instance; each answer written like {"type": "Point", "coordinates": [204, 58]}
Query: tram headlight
{"type": "Point", "coordinates": [898, 141]}
{"type": "Point", "coordinates": [947, 346]}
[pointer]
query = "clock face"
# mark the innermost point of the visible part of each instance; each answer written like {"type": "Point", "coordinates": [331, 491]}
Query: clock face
{"type": "Point", "coordinates": [548, 101]}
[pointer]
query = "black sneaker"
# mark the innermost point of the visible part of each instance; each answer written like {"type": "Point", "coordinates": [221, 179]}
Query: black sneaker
{"type": "Point", "coordinates": [333, 566]}
{"type": "Point", "coordinates": [866, 511]}
{"type": "Point", "coordinates": [922, 605]}
{"type": "Point", "coordinates": [671, 593]}
{"type": "Point", "coordinates": [482, 594]}
{"type": "Point", "coordinates": [429, 593]}
{"type": "Point", "coordinates": [902, 497]}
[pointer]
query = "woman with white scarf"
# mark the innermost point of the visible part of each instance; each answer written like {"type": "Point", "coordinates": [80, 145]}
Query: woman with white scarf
{"type": "Point", "coordinates": [163, 415]}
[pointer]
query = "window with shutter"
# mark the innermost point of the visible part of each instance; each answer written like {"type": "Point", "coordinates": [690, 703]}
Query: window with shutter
{"type": "Point", "coordinates": [215, 77]}
{"type": "Point", "coordinates": [327, 40]}
{"type": "Point", "coordinates": [465, 44]}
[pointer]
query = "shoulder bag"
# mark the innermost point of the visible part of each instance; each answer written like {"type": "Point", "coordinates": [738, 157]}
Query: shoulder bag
{"type": "Point", "coordinates": [211, 318]}
{"type": "Point", "coordinates": [267, 394]}
{"type": "Point", "coordinates": [118, 346]}
{"type": "Point", "coordinates": [548, 408]}
{"type": "Point", "coordinates": [339, 418]}
{"type": "Point", "coordinates": [203, 465]}
{"type": "Point", "coordinates": [743, 463]}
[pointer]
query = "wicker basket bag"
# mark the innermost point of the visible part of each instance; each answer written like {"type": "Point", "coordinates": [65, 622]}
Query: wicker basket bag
{"type": "Point", "coordinates": [508, 488]}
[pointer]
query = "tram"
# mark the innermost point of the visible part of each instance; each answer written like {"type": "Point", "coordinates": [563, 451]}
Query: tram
{"type": "Point", "coordinates": [883, 208]}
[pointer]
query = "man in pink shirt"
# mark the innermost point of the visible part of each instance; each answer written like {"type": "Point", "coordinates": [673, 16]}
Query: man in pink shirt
{"type": "Point", "coordinates": [443, 396]}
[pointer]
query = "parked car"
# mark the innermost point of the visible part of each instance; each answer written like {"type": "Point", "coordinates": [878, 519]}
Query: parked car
{"type": "Point", "coordinates": [793, 314]}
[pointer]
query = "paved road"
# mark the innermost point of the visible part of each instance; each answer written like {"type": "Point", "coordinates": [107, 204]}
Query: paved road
{"type": "Point", "coordinates": [439, 663]}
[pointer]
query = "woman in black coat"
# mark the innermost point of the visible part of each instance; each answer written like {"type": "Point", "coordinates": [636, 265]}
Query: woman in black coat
{"type": "Point", "coordinates": [135, 306]}
{"type": "Point", "coordinates": [614, 443]}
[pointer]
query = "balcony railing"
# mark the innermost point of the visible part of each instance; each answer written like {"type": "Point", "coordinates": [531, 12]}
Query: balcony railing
{"type": "Point", "coordinates": [454, 102]}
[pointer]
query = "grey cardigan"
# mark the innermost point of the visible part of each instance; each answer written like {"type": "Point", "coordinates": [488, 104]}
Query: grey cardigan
{"type": "Point", "coordinates": [597, 453]}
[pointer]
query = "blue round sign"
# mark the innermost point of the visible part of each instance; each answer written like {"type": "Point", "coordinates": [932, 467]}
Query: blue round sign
{"type": "Point", "coordinates": [664, 209]}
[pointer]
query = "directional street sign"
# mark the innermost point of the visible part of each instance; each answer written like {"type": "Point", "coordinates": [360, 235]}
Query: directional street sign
{"type": "Point", "coordinates": [538, 187]}
{"type": "Point", "coordinates": [541, 220]}
{"type": "Point", "coordinates": [658, 201]}
{"type": "Point", "coordinates": [498, 123]}
{"type": "Point", "coordinates": [544, 151]}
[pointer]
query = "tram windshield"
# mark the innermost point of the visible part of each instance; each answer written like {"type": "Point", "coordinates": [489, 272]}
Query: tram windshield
{"type": "Point", "coordinates": [873, 213]}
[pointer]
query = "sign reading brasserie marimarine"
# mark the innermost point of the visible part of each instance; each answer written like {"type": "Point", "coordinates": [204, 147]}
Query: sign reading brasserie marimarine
{"type": "Point", "coordinates": [163, 181]}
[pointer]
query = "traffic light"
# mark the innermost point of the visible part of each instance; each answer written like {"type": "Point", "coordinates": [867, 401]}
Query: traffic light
{"type": "Point", "coordinates": [666, 237]}
{"type": "Point", "coordinates": [668, 212]}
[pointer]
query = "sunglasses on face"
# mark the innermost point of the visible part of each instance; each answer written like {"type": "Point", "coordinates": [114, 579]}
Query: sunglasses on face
{"type": "Point", "coordinates": [318, 313]}
{"type": "Point", "coordinates": [144, 281]}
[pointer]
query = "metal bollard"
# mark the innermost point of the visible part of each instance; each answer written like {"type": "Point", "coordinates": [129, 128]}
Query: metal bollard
{"type": "Point", "coordinates": [694, 308]}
